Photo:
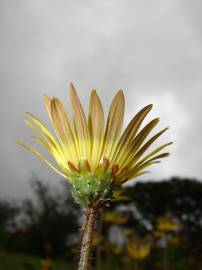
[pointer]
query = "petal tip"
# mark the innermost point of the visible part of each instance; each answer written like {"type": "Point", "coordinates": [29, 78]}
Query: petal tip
{"type": "Point", "coordinates": [71, 87]}
{"type": "Point", "coordinates": [121, 93]}
{"type": "Point", "coordinates": [46, 97]}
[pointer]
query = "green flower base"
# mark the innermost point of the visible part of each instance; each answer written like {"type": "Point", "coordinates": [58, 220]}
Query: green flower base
{"type": "Point", "coordinates": [91, 188]}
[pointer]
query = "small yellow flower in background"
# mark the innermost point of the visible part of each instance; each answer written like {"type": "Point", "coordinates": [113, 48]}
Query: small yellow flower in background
{"type": "Point", "coordinates": [112, 248]}
{"type": "Point", "coordinates": [166, 224]}
{"type": "Point", "coordinates": [174, 239]}
{"type": "Point", "coordinates": [115, 218]}
{"type": "Point", "coordinates": [117, 250]}
{"type": "Point", "coordinates": [97, 238]}
{"type": "Point", "coordinates": [139, 249]}
{"type": "Point", "coordinates": [95, 157]}
{"type": "Point", "coordinates": [46, 264]}
{"type": "Point", "coordinates": [128, 232]}
{"type": "Point", "coordinates": [158, 234]}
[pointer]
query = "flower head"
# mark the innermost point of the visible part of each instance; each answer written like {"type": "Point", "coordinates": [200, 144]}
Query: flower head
{"type": "Point", "coordinates": [114, 217]}
{"type": "Point", "coordinates": [95, 157]}
{"type": "Point", "coordinates": [166, 224]}
{"type": "Point", "coordinates": [46, 264]}
{"type": "Point", "coordinates": [139, 248]}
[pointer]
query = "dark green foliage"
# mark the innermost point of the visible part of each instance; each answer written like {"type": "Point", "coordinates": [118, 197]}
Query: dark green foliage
{"type": "Point", "coordinates": [8, 213]}
{"type": "Point", "coordinates": [52, 220]}
{"type": "Point", "coordinates": [177, 198]}
{"type": "Point", "coordinates": [180, 197]}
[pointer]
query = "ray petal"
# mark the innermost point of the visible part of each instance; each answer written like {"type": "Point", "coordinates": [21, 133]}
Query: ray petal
{"type": "Point", "coordinates": [160, 148]}
{"type": "Point", "coordinates": [58, 158]}
{"type": "Point", "coordinates": [63, 128]}
{"type": "Point", "coordinates": [140, 171]}
{"type": "Point", "coordinates": [114, 124]}
{"type": "Point", "coordinates": [44, 130]}
{"type": "Point", "coordinates": [32, 150]}
{"type": "Point", "coordinates": [137, 169]}
{"type": "Point", "coordinates": [47, 102]}
{"type": "Point", "coordinates": [126, 158]}
{"type": "Point", "coordinates": [96, 127]}
{"type": "Point", "coordinates": [80, 123]}
{"type": "Point", "coordinates": [163, 155]}
{"type": "Point", "coordinates": [45, 136]}
{"type": "Point", "coordinates": [133, 172]}
{"type": "Point", "coordinates": [144, 148]}
{"type": "Point", "coordinates": [131, 131]}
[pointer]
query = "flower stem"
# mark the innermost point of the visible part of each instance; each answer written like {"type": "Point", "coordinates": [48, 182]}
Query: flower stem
{"type": "Point", "coordinates": [86, 242]}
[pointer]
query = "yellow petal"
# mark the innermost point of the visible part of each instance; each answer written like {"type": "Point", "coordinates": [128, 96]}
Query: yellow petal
{"type": "Point", "coordinates": [154, 152]}
{"type": "Point", "coordinates": [80, 123]}
{"type": "Point", "coordinates": [114, 125]}
{"type": "Point", "coordinates": [58, 158]}
{"type": "Point", "coordinates": [163, 155]}
{"type": "Point", "coordinates": [63, 129]}
{"type": "Point", "coordinates": [29, 148]}
{"type": "Point", "coordinates": [144, 148]}
{"type": "Point", "coordinates": [134, 172]}
{"type": "Point", "coordinates": [139, 168]}
{"type": "Point", "coordinates": [96, 127]}
{"type": "Point", "coordinates": [131, 130]}
{"type": "Point", "coordinates": [47, 102]}
{"type": "Point", "coordinates": [126, 158]}
{"type": "Point", "coordinates": [45, 138]}
{"type": "Point", "coordinates": [44, 130]}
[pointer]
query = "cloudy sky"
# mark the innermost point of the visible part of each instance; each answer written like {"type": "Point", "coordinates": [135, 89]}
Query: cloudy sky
{"type": "Point", "coordinates": [150, 49]}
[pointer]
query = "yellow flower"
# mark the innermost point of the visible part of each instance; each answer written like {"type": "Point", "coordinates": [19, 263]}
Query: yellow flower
{"type": "Point", "coordinates": [109, 247]}
{"type": "Point", "coordinates": [97, 238]}
{"type": "Point", "coordinates": [115, 218]}
{"type": "Point", "coordinates": [174, 240]}
{"type": "Point", "coordinates": [158, 234]}
{"type": "Point", "coordinates": [96, 158]}
{"type": "Point", "coordinates": [139, 248]}
{"type": "Point", "coordinates": [46, 264]}
{"type": "Point", "coordinates": [116, 250]}
{"type": "Point", "coordinates": [166, 224]}
{"type": "Point", "coordinates": [128, 232]}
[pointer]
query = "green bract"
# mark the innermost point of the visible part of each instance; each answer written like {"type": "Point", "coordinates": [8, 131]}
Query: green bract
{"type": "Point", "coordinates": [92, 188]}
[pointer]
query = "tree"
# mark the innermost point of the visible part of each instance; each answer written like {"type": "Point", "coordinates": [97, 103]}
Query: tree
{"type": "Point", "coordinates": [52, 219]}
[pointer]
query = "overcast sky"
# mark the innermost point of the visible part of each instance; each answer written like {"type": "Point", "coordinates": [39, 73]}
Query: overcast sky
{"type": "Point", "coordinates": [150, 49]}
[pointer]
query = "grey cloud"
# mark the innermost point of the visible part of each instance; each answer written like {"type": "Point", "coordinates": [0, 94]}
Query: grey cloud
{"type": "Point", "coordinates": [152, 51]}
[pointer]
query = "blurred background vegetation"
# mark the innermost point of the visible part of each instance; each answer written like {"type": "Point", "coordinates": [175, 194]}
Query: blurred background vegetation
{"type": "Point", "coordinates": [153, 225]}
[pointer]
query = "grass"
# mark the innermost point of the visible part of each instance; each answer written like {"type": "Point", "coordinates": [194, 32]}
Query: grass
{"type": "Point", "coordinates": [14, 261]}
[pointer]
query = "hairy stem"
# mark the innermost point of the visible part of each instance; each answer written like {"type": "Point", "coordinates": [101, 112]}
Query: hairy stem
{"type": "Point", "coordinates": [86, 242]}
